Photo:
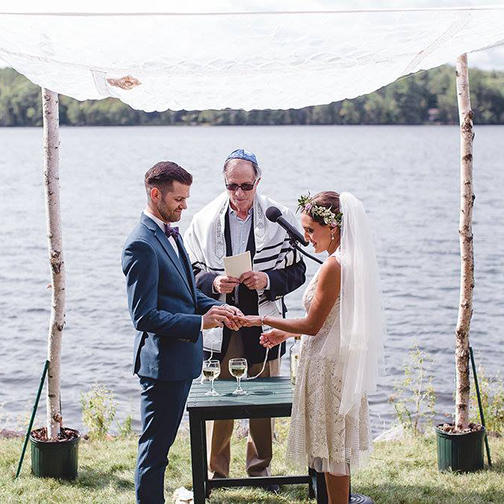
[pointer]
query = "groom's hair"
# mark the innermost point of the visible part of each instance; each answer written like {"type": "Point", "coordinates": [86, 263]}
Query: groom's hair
{"type": "Point", "coordinates": [163, 174]}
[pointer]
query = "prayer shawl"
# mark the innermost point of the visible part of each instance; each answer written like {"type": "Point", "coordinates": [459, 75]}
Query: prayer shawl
{"type": "Point", "coordinates": [206, 246]}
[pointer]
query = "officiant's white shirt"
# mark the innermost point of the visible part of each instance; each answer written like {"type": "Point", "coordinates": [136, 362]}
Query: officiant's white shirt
{"type": "Point", "coordinates": [239, 230]}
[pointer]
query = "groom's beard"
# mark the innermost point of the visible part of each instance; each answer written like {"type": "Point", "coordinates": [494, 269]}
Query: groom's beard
{"type": "Point", "coordinates": [167, 214]}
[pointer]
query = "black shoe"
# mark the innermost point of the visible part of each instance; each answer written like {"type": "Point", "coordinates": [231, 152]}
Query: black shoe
{"type": "Point", "coordinates": [272, 488]}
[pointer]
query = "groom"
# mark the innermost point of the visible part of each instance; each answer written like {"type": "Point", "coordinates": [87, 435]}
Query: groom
{"type": "Point", "coordinates": [169, 313]}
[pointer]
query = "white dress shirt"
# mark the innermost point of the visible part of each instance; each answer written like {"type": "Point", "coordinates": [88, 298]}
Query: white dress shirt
{"type": "Point", "coordinates": [239, 230]}
{"type": "Point", "coordinates": [161, 225]}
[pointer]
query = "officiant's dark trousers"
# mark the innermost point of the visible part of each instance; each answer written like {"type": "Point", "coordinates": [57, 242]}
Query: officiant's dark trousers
{"type": "Point", "coordinates": [161, 406]}
{"type": "Point", "coordinates": [219, 432]}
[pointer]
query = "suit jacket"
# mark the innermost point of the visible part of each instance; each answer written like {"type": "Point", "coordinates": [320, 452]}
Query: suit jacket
{"type": "Point", "coordinates": [282, 281]}
{"type": "Point", "coordinates": [164, 304]}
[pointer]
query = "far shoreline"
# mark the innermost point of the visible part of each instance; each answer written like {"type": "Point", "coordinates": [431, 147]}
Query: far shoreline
{"type": "Point", "coordinates": [77, 126]}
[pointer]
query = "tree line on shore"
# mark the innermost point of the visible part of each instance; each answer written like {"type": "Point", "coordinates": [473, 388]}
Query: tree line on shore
{"type": "Point", "coordinates": [422, 98]}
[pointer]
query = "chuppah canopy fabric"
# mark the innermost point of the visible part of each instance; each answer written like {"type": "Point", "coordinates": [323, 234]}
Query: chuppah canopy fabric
{"type": "Point", "coordinates": [249, 58]}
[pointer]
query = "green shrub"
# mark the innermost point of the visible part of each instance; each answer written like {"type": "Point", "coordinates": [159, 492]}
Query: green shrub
{"type": "Point", "coordinates": [492, 401]}
{"type": "Point", "coordinates": [126, 428]}
{"type": "Point", "coordinates": [98, 411]}
{"type": "Point", "coordinates": [414, 399]}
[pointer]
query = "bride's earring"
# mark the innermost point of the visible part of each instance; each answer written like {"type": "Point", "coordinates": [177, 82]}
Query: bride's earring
{"type": "Point", "coordinates": [332, 236]}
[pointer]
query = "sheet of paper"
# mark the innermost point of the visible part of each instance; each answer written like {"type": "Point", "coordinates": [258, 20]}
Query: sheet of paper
{"type": "Point", "coordinates": [236, 265]}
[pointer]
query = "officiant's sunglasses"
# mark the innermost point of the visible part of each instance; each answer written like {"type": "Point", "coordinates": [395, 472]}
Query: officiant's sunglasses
{"type": "Point", "coordinates": [244, 187]}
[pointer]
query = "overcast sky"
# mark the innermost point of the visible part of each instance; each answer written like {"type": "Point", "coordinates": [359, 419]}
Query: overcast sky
{"type": "Point", "coordinates": [489, 59]}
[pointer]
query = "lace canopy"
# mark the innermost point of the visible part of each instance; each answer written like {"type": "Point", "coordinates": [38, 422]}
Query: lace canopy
{"type": "Point", "coordinates": [239, 55]}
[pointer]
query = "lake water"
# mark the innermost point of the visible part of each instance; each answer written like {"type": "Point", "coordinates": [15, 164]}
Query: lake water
{"type": "Point", "coordinates": [408, 178]}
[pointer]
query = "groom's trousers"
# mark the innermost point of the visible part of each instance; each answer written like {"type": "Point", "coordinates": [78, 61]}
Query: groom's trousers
{"type": "Point", "coordinates": [162, 406]}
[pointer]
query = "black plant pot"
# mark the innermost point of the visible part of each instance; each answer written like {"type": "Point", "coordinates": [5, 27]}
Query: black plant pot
{"type": "Point", "coordinates": [55, 459]}
{"type": "Point", "coordinates": [460, 452]}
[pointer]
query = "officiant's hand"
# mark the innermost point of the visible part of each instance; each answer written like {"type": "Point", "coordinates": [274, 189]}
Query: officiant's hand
{"type": "Point", "coordinates": [272, 338]}
{"type": "Point", "coordinates": [225, 284]}
{"type": "Point", "coordinates": [255, 280]}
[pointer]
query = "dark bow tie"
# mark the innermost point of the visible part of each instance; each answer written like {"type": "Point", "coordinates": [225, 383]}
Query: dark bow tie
{"type": "Point", "coordinates": [171, 231]}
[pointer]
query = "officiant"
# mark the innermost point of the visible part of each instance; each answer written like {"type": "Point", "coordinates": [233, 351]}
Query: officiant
{"type": "Point", "coordinates": [232, 224]}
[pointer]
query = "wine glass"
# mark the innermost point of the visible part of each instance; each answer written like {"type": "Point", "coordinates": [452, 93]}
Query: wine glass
{"type": "Point", "coordinates": [238, 368]}
{"type": "Point", "coordinates": [211, 371]}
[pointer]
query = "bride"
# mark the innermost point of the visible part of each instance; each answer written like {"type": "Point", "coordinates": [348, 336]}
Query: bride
{"type": "Point", "coordinates": [342, 346]}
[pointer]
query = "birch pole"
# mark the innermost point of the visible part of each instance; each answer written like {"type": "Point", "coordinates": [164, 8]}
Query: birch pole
{"type": "Point", "coordinates": [466, 246]}
{"type": "Point", "coordinates": [55, 248]}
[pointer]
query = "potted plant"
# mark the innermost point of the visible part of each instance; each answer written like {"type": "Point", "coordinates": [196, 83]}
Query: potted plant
{"type": "Point", "coordinates": [54, 449]}
{"type": "Point", "coordinates": [460, 445]}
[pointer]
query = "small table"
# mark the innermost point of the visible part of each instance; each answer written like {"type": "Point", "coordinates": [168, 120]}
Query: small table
{"type": "Point", "coordinates": [267, 397]}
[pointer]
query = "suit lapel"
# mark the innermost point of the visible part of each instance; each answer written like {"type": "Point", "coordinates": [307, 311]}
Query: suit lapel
{"type": "Point", "coordinates": [251, 241]}
{"type": "Point", "coordinates": [187, 265]}
{"type": "Point", "coordinates": [247, 299]}
{"type": "Point", "coordinates": [229, 251]}
{"type": "Point", "coordinates": [227, 235]}
{"type": "Point", "coordinates": [163, 240]}
{"type": "Point", "coordinates": [168, 248]}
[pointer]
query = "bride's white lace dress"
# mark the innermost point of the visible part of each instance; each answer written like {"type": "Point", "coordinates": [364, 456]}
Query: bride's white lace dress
{"type": "Point", "coordinates": [319, 437]}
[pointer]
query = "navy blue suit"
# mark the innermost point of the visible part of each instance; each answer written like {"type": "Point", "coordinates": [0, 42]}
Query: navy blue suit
{"type": "Point", "coordinates": [166, 308]}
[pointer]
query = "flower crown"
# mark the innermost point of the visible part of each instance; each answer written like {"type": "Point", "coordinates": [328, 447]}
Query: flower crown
{"type": "Point", "coordinates": [305, 203]}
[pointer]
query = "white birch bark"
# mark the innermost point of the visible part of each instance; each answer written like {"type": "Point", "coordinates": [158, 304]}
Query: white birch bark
{"type": "Point", "coordinates": [466, 246]}
{"type": "Point", "coordinates": [55, 247]}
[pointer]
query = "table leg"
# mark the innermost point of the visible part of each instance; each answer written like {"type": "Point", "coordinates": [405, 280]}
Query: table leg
{"type": "Point", "coordinates": [312, 484]}
{"type": "Point", "coordinates": [204, 458]}
{"type": "Point", "coordinates": [198, 457]}
{"type": "Point", "coordinates": [318, 485]}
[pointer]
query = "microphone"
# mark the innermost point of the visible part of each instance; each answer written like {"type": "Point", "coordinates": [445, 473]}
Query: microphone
{"type": "Point", "coordinates": [274, 215]}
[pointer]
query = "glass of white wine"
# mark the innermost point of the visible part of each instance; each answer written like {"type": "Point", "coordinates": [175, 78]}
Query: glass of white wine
{"type": "Point", "coordinates": [238, 368]}
{"type": "Point", "coordinates": [211, 371]}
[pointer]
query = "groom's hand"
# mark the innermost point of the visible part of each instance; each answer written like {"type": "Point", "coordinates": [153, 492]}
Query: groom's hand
{"type": "Point", "coordinates": [233, 310]}
{"type": "Point", "coordinates": [236, 315]}
{"type": "Point", "coordinates": [217, 316]}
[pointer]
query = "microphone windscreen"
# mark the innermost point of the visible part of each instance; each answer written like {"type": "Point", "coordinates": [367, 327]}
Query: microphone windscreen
{"type": "Point", "coordinates": [273, 213]}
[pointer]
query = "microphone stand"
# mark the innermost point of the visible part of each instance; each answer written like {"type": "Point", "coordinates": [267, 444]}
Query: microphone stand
{"type": "Point", "coordinates": [295, 246]}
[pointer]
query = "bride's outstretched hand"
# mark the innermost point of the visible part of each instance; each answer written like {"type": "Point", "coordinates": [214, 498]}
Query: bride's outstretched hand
{"type": "Point", "coordinates": [273, 338]}
{"type": "Point", "coordinates": [250, 321]}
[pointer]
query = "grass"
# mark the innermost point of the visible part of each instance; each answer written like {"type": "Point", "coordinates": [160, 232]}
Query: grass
{"type": "Point", "coordinates": [399, 472]}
